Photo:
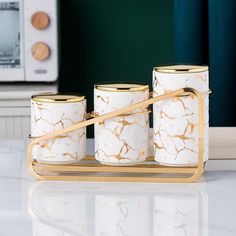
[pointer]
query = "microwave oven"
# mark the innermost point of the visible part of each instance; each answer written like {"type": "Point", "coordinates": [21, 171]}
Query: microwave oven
{"type": "Point", "coordinates": [28, 40]}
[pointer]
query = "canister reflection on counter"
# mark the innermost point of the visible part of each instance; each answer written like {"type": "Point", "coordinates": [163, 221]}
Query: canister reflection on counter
{"type": "Point", "coordinates": [120, 215]}
{"type": "Point", "coordinates": [181, 210]}
{"type": "Point", "coordinates": [44, 229]}
{"type": "Point", "coordinates": [118, 209]}
{"type": "Point", "coordinates": [58, 210]}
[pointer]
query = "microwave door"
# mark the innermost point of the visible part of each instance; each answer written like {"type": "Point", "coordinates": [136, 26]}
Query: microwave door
{"type": "Point", "coordinates": [11, 63]}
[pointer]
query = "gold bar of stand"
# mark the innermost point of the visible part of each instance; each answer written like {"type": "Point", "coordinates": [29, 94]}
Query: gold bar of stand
{"type": "Point", "coordinates": [147, 172]}
{"type": "Point", "coordinates": [93, 167]}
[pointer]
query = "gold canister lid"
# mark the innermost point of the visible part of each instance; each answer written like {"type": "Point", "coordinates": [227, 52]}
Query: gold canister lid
{"type": "Point", "coordinates": [58, 98]}
{"type": "Point", "coordinates": [121, 87]}
{"type": "Point", "coordinates": [181, 69]}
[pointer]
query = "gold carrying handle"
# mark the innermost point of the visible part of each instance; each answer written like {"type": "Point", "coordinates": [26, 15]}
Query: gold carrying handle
{"type": "Point", "coordinates": [121, 111]}
{"type": "Point", "coordinates": [206, 93]}
{"type": "Point", "coordinates": [94, 114]}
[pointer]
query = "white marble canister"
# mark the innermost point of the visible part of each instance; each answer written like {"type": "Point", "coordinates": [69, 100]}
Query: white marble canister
{"type": "Point", "coordinates": [122, 140]}
{"type": "Point", "coordinates": [51, 112]}
{"type": "Point", "coordinates": [175, 120]}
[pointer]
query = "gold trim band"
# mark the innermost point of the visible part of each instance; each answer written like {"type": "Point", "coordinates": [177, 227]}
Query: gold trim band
{"type": "Point", "coordinates": [121, 87]}
{"type": "Point", "coordinates": [58, 98]}
{"type": "Point", "coordinates": [181, 69]}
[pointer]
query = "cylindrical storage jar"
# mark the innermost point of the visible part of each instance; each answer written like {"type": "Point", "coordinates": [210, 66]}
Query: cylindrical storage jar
{"type": "Point", "coordinates": [176, 119]}
{"type": "Point", "coordinates": [51, 112]}
{"type": "Point", "coordinates": [122, 140]}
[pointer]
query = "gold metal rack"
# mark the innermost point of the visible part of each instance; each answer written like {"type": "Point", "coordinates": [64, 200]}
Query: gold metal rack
{"type": "Point", "coordinates": [149, 171]}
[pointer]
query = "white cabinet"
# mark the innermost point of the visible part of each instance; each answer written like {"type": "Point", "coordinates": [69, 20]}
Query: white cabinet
{"type": "Point", "coordinates": [15, 108]}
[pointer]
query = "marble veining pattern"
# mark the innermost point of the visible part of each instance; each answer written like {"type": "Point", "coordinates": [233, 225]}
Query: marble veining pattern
{"type": "Point", "coordinates": [123, 139]}
{"type": "Point", "coordinates": [48, 117]}
{"type": "Point", "coordinates": [176, 120]}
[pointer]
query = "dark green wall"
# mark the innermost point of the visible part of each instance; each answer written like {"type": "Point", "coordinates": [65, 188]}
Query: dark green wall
{"type": "Point", "coordinates": [121, 40]}
{"type": "Point", "coordinates": [205, 34]}
{"type": "Point", "coordinates": [113, 40]}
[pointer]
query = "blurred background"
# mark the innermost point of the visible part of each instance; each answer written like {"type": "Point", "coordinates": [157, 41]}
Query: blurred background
{"type": "Point", "coordinates": [113, 40]}
{"type": "Point", "coordinates": [118, 40]}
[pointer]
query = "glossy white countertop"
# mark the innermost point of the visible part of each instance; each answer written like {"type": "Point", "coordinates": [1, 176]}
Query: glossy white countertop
{"type": "Point", "coordinates": [33, 208]}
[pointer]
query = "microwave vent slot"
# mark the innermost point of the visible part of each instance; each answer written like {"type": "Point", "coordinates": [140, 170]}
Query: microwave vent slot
{"type": "Point", "coordinates": [9, 6]}
{"type": "Point", "coordinates": [40, 71]}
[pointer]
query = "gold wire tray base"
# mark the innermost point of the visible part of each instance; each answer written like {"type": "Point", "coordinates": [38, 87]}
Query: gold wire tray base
{"type": "Point", "coordinates": [149, 171]}
{"type": "Point", "coordinates": [90, 170]}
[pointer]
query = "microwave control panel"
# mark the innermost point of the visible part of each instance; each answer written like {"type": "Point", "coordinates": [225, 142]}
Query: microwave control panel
{"type": "Point", "coordinates": [41, 40]}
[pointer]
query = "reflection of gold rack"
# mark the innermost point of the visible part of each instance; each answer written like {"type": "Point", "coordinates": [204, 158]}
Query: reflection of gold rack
{"type": "Point", "coordinates": [147, 172]}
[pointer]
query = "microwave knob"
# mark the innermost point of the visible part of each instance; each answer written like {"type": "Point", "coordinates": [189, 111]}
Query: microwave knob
{"type": "Point", "coordinates": [40, 51]}
{"type": "Point", "coordinates": [40, 20]}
